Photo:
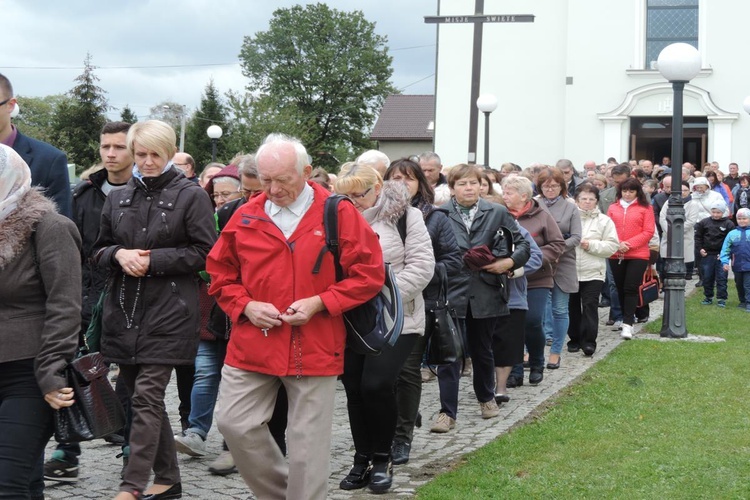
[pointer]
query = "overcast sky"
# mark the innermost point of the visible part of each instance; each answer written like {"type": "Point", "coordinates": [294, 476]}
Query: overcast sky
{"type": "Point", "coordinates": [133, 43]}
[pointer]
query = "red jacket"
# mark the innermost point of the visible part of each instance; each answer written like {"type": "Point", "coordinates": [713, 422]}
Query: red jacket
{"type": "Point", "coordinates": [636, 226]}
{"type": "Point", "coordinates": [253, 261]}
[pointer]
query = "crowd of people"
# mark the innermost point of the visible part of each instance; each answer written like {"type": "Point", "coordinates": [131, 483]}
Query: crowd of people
{"type": "Point", "coordinates": [225, 276]}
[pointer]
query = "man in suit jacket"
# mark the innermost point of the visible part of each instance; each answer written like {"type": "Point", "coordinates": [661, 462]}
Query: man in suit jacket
{"type": "Point", "coordinates": [49, 165]}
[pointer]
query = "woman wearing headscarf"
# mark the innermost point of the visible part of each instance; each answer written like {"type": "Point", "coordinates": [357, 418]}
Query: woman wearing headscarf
{"type": "Point", "coordinates": [155, 235]}
{"type": "Point", "coordinates": [40, 310]}
{"type": "Point", "coordinates": [370, 380]}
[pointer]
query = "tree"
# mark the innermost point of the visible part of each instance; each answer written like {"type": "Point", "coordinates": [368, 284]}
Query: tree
{"type": "Point", "coordinates": [325, 69]}
{"type": "Point", "coordinates": [79, 121]}
{"type": "Point", "coordinates": [210, 112]}
{"type": "Point", "coordinates": [37, 115]}
{"type": "Point", "coordinates": [127, 115]}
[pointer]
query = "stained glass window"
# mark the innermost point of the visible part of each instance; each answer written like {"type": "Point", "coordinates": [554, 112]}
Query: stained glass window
{"type": "Point", "coordinates": [670, 21]}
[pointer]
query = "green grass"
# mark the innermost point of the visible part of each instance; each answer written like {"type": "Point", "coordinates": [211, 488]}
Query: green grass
{"type": "Point", "coordinates": [652, 420]}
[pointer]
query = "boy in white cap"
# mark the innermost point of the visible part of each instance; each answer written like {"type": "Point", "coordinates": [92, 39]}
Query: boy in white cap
{"type": "Point", "coordinates": [709, 238]}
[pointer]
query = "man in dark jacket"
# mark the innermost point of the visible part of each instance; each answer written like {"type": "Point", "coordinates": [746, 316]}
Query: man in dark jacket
{"type": "Point", "coordinates": [49, 166]}
{"type": "Point", "coordinates": [88, 199]}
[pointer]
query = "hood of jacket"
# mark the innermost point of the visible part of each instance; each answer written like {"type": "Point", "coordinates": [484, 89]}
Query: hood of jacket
{"type": "Point", "coordinates": [393, 201]}
{"type": "Point", "coordinates": [16, 229]}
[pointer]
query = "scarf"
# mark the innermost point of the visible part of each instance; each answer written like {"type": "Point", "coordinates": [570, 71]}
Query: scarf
{"type": "Point", "coordinates": [422, 205]}
{"type": "Point", "coordinates": [144, 180]}
{"type": "Point", "coordinates": [15, 180]}
{"type": "Point", "coordinates": [522, 211]}
{"type": "Point", "coordinates": [467, 213]}
{"type": "Point", "coordinates": [551, 202]}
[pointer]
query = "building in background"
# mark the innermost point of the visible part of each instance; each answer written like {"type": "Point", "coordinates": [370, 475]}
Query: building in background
{"type": "Point", "coordinates": [405, 125]}
{"type": "Point", "coordinates": [580, 82]}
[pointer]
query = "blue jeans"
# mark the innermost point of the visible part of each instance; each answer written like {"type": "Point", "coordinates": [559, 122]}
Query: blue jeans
{"type": "Point", "coordinates": [713, 272]}
{"type": "Point", "coordinates": [534, 335]}
{"type": "Point", "coordinates": [560, 319]}
{"type": "Point", "coordinates": [742, 280]}
{"type": "Point", "coordinates": [208, 365]}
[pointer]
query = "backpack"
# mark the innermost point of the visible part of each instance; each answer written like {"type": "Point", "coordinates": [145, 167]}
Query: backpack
{"type": "Point", "coordinates": [379, 321]}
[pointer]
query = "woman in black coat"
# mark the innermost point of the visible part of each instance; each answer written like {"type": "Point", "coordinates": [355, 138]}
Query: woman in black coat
{"type": "Point", "coordinates": [447, 263]}
{"type": "Point", "coordinates": [155, 235]}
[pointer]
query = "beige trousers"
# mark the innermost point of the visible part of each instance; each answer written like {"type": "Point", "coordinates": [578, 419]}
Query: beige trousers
{"type": "Point", "coordinates": [243, 410]}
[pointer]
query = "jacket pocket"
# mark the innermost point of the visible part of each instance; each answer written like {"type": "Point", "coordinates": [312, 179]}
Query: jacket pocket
{"type": "Point", "coordinates": [180, 301]}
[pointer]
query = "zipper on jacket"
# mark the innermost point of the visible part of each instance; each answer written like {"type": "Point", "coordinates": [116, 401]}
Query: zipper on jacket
{"type": "Point", "coordinates": [179, 299]}
{"type": "Point", "coordinates": [119, 218]}
{"type": "Point", "coordinates": [164, 221]}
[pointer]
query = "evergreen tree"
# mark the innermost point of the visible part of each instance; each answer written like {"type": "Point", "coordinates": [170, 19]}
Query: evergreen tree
{"type": "Point", "coordinates": [211, 111]}
{"type": "Point", "coordinates": [127, 115]}
{"type": "Point", "coordinates": [79, 121]}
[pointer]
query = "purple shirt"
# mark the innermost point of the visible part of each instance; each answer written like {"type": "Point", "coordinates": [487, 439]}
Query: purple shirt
{"type": "Point", "coordinates": [11, 139]}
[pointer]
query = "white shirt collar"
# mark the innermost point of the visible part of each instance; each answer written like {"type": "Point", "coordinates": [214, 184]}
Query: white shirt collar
{"type": "Point", "coordinates": [298, 207]}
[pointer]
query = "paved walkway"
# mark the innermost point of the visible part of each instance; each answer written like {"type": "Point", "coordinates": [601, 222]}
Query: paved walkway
{"type": "Point", "coordinates": [430, 454]}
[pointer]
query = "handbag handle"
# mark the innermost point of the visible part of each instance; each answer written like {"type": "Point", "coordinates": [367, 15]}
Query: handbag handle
{"type": "Point", "coordinates": [443, 289]}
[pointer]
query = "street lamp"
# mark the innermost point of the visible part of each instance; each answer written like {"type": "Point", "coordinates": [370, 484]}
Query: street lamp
{"type": "Point", "coordinates": [487, 103]}
{"type": "Point", "coordinates": [214, 132]}
{"type": "Point", "coordinates": [678, 63]}
{"type": "Point", "coordinates": [183, 123]}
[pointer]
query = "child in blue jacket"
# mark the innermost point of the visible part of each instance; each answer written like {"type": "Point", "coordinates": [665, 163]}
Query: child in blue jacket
{"type": "Point", "coordinates": [736, 249]}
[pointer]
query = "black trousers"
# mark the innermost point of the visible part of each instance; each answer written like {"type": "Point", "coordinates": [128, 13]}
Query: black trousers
{"type": "Point", "coordinates": [628, 274]}
{"type": "Point", "coordinates": [584, 314]}
{"type": "Point", "coordinates": [185, 379]}
{"type": "Point", "coordinates": [370, 383]}
{"type": "Point", "coordinates": [479, 335]}
{"type": "Point", "coordinates": [25, 427]}
{"type": "Point", "coordinates": [409, 391]}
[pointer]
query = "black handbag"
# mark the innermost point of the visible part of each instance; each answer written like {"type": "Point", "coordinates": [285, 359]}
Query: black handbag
{"type": "Point", "coordinates": [444, 340]}
{"type": "Point", "coordinates": [97, 411]}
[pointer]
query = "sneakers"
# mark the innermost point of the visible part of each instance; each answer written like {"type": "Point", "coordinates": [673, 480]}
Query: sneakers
{"type": "Point", "coordinates": [617, 324]}
{"type": "Point", "coordinates": [721, 303]}
{"type": "Point", "coordinates": [400, 452]}
{"type": "Point", "coordinates": [223, 465]}
{"type": "Point", "coordinates": [59, 469]}
{"type": "Point", "coordinates": [707, 302]}
{"type": "Point", "coordinates": [627, 332]}
{"type": "Point", "coordinates": [489, 409]}
{"type": "Point", "coordinates": [190, 443]}
{"type": "Point", "coordinates": [443, 424]}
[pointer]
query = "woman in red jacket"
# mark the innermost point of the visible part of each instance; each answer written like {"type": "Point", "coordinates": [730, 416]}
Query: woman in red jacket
{"type": "Point", "coordinates": [634, 221]}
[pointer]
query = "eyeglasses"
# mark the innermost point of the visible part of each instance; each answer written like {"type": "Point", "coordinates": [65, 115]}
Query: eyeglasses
{"type": "Point", "coordinates": [5, 101]}
{"type": "Point", "coordinates": [355, 197]}
{"type": "Point", "coordinates": [550, 187]}
{"type": "Point", "coordinates": [225, 195]}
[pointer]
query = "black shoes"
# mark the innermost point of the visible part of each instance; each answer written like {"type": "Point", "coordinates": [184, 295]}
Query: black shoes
{"type": "Point", "coordinates": [536, 375]}
{"type": "Point", "coordinates": [501, 398]}
{"type": "Point", "coordinates": [551, 366]}
{"type": "Point", "coordinates": [400, 453]}
{"type": "Point", "coordinates": [381, 476]}
{"type": "Point", "coordinates": [589, 350]}
{"type": "Point", "coordinates": [359, 475]}
{"type": "Point", "coordinates": [174, 491]}
{"type": "Point", "coordinates": [513, 382]}
{"type": "Point", "coordinates": [573, 347]}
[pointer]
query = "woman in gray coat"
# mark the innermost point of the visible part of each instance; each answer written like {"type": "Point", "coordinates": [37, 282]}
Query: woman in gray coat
{"type": "Point", "coordinates": [551, 183]}
{"type": "Point", "coordinates": [155, 235]}
{"type": "Point", "coordinates": [40, 310]}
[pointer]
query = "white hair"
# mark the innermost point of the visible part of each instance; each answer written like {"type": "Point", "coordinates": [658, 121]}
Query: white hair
{"type": "Point", "coordinates": [372, 157]}
{"type": "Point", "coordinates": [279, 139]}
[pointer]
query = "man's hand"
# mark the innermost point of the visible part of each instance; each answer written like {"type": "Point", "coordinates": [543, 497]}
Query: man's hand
{"type": "Point", "coordinates": [301, 311]}
{"type": "Point", "coordinates": [500, 266]}
{"type": "Point", "coordinates": [134, 262]}
{"type": "Point", "coordinates": [262, 314]}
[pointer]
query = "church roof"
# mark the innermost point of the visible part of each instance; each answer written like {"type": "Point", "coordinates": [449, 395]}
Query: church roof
{"type": "Point", "coordinates": [405, 118]}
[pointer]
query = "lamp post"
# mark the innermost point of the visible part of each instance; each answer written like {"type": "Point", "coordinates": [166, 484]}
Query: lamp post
{"type": "Point", "coordinates": [487, 103]}
{"type": "Point", "coordinates": [214, 132]}
{"type": "Point", "coordinates": [183, 124]}
{"type": "Point", "coordinates": [678, 63]}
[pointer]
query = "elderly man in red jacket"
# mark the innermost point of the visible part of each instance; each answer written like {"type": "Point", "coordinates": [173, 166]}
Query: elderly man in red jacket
{"type": "Point", "coordinates": [287, 325]}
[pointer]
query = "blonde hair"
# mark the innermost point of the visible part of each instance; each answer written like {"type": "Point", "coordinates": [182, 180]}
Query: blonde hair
{"type": "Point", "coordinates": [154, 135]}
{"type": "Point", "coordinates": [355, 177]}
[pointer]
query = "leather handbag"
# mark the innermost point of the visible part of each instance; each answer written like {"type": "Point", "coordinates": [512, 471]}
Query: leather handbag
{"type": "Point", "coordinates": [648, 290]}
{"type": "Point", "coordinates": [97, 410]}
{"type": "Point", "coordinates": [444, 340]}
